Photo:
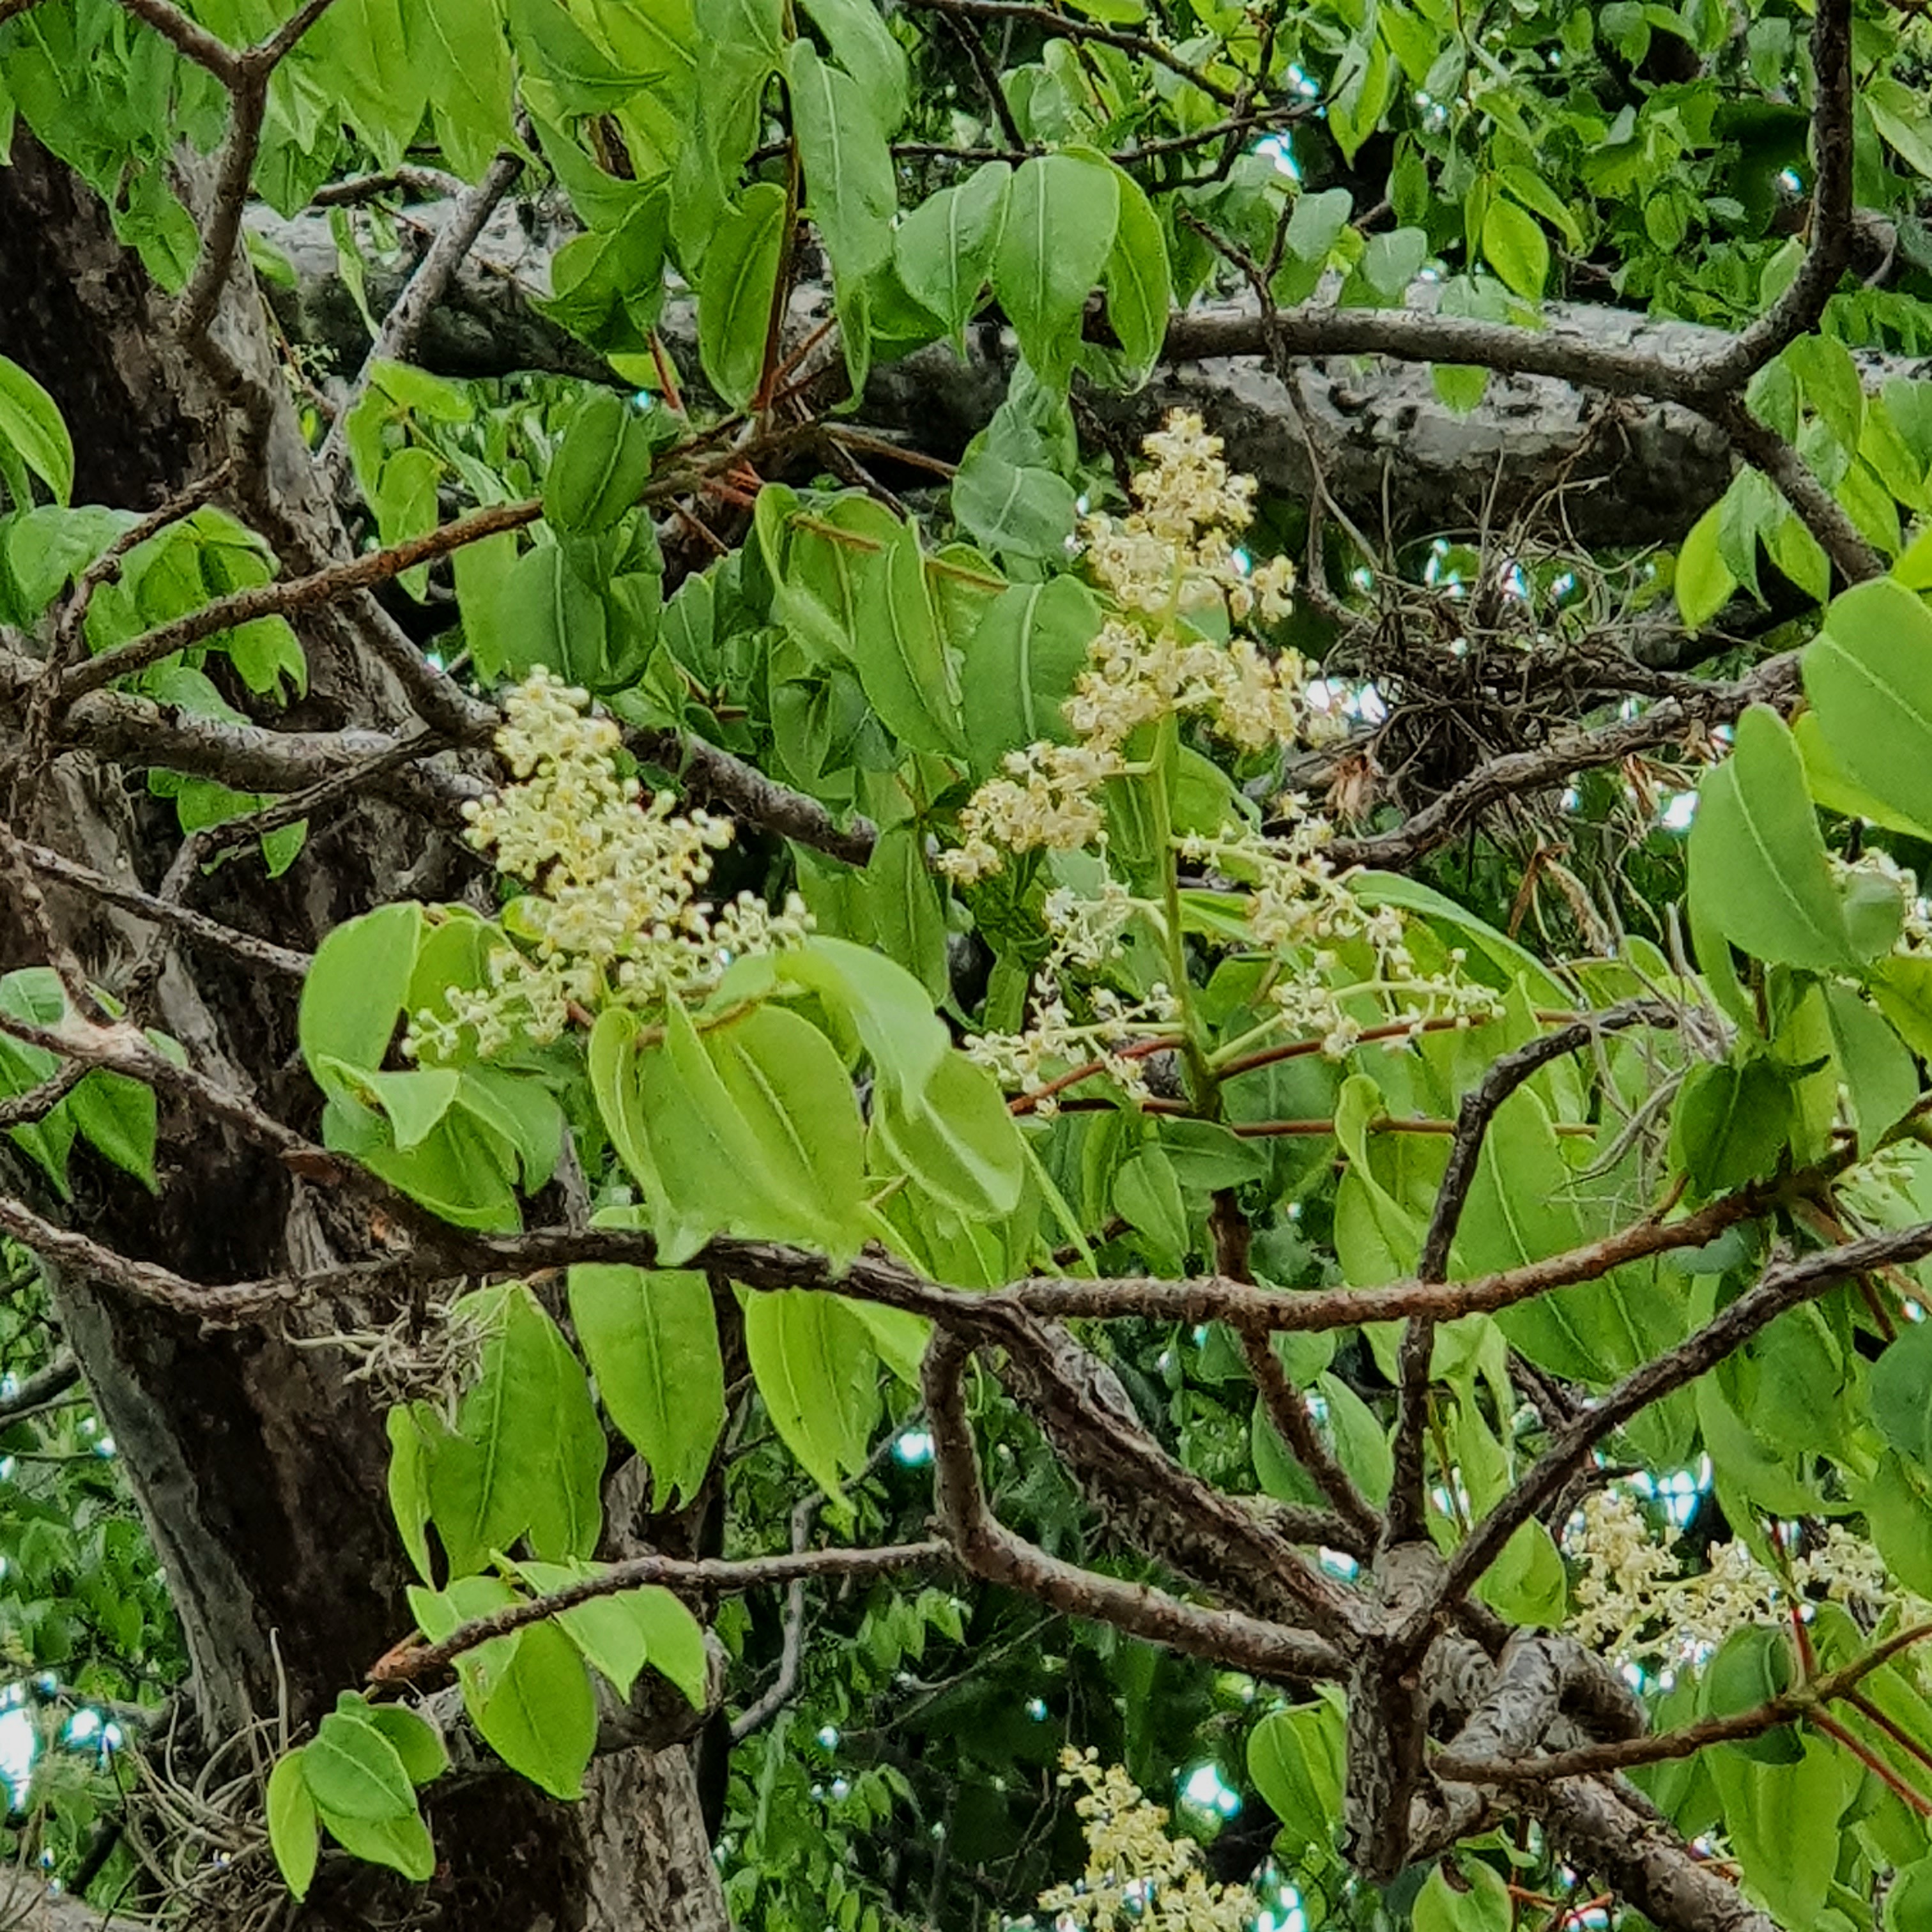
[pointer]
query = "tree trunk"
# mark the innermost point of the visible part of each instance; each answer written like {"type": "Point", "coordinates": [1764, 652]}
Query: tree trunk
{"type": "Point", "coordinates": [260, 1468]}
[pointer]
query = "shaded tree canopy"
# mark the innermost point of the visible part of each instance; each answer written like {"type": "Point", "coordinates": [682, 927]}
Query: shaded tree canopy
{"type": "Point", "coordinates": [960, 960]}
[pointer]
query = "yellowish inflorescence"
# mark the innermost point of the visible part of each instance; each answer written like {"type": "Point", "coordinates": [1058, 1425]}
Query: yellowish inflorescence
{"type": "Point", "coordinates": [1136, 1874]}
{"type": "Point", "coordinates": [1172, 559]}
{"type": "Point", "coordinates": [614, 915]}
{"type": "Point", "coordinates": [1634, 1598]}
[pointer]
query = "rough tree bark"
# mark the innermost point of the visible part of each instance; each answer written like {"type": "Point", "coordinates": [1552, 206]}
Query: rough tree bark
{"type": "Point", "coordinates": [1390, 450]}
{"type": "Point", "coordinates": [259, 1468]}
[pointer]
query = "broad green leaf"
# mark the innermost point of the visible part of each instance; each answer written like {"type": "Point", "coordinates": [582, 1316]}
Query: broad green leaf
{"type": "Point", "coordinates": [353, 995]}
{"type": "Point", "coordinates": [417, 1741]}
{"type": "Point", "coordinates": [1019, 509]}
{"type": "Point", "coordinates": [1022, 665]}
{"type": "Point", "coordinates": [1868, 675]}
{"type": "Point", "coordinates": [1875, 1065]}
{"type": "Point", "coordinates": [530, 1696]}
{"type": "Point", "coordinates": [554, 48]}
{"type": "Point", "coordinates": [1481, 1903]}
{"type": "Point", "coordinates": [1898, 1513]}
{"type": "Point", "coordinates": [482, 571]}
{"type": "Point", "coordinates": [874, 1004]}
{"type": "Point", "coordinates": [1729, 1124]}
{"type": "Point", "coordinates": [1757, 860]}
{"type": "Point", "coordinates": [409, 1453]}
{"type": "Point", "coordinates": [294, 1835]}
{"type": "Point", "coordinates": [907, 911]}
{"type": "Point", "coordinates": [1295, 1758]}
{"type": "Point", "coordinates": [461, 44]}
{"type": "Point", "coordinates": [850, 193]}
{"type": "Point", "coordinates": [529, 1454]}
{"type": "Point", "coordinates": [955, 1139]}
{"type": "Point", "coordinates": [791, 1090]}
{"type": "Point", "coordinates": [943, 249]}
{"type": "Point", "coordinates": [1901, 1393]}
{"type": "Point", "coordinates": [818, 1377]}
{"type": "Point", "coordinates": [352, 1770]}
{"type": "Point", "coordinates": [1703, 583]}
{"type": "Point", "coordinates": [600, 466]}
{"type": "Point", "coordinates": [1514, 246]}
{"type": "Point", "coordinates": [894, 644]}
{"type": "Point", "coordinates": [737, 289]}
{"type": "Point", "coordinates": [620, 1634]}
{"type": "Point", "coordinates": [1140, 289]}
{"type": "Point", "coordinates": [1782, 1820]}
{"type": "Point", "coordinates": [651, 1338]}
{"type": "Point", "coordinates": [32, 429]}
{"type": "Point", "coordinates": [863, 45]}
{"type": "Point", "coordinates": [550, 615]}
{"type": "Point", "coordinates": [116, 1114]}
{"type": "Point", "coordinates": [402, 1844]}
{"type": "Point", "coordinates": [1062, 212]}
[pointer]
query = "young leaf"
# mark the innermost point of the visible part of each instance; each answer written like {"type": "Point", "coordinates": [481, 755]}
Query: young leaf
{"type": "Point", "coordinates": [736, 291]}
{"type": "Point", "coordinates": [651, 1338]}
{"type": "Point", "coordinates": [532, 1701]}
{"type": "Point", "coordinates": [353, 995]}
{"type": "Point", "coordinates": [352, 1770]}
{"type": "Point", "coordinates": [819, 1378]}
{"type": "Point", "coordinates": [599, 467]}
{"type": "Point", "coordinates": [1868, 674]}
{"type": "Point", "coordinates": [294, 1835]}
{"type": "Point", "coordinates": [1062, 212]}
{"type": "Point", "coordinates": [31, 427]}
{"type": "Point", "coordinates": [1757, 859]}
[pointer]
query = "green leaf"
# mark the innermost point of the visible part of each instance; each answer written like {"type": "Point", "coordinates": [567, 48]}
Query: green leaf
{"type": "Point", "coordinates": [32, 428]}
{"type": "Point", "coordinates": [1295, 1758]}
{"type": "Point", "coordinates": [1514, 244]}
{"type": "Point", "coordinates": [876, 1004]}
{"type": "Point", "coordinates": [530, 1696]}
{"type": "Point", "coordinates": [1020, 510]}
{"type": "Point", "coordinates": [116, 1113]}
{"type": "Point", "coordinates": [1480, 1904]}
{"type": "Point", "coordinates": [956, 1138]}
{"type": "Point", "coordinates": [943, 249]}
{"type": "Point", "coordinates": [1062, 213]}
{"type": "Point", "coordinates": [482, 570]}
{"type": "Point", "coordinates": [908, 914]}
{"type": "Point", "coordinates": [402, 1844]}
{"type": "Point", "coordinates": [554, 48]}
{"type": "Point", "coordinates": [651, 1338]}
{"type": "Point", "coordinates": [1757, 860]}
{"type": "Point", "coordinates": [410, 1450]}
{"type": "Point", "coordinates": [1875, 1064]}
{"type": "Point", "coordinates": [1703, 582]}
{"type": "Point", "coordinates": [1898, 113]}
{"type": "Point", "coordinates": [1898, 1514]}
{"type": "Point", "coordinates": [1140, 288]}
{"type": "Point", "coordinates": [600, 466]}
{"type": "Point", "coordinates": [1868, 675]}
{"type": "Point", "coordinates": [352, 1770]}
{"type": "Point", "coordinates": [863, 45]}
{"type": "Point", "coordinates": [529, 1452]}
{"type": "Point", "coordinates": [736, 290]}
{"type": "Point", "coordinates": [1022, 665]}
{"type": "Point", "coordinates": [818, 1377]}
{"type": "Point", "coordinates": [1830, 379]}
{"type": "Point", "coordinates": [851, 192]}
{"type": "Point", "coordinates": [294, 1836]}
{"type": "Point", "coordinates": [894, 643]}
{"type": "Point", "coordinates": [550, 615]}
{"type": "Point", "coordinates": [620, 1634]}
{"type": "Point", "coordinates": [1729, 1124]}
{"type": "Point", "coordinates": [353, 995]}
{"type": "Point", "coordinates": [1783, 1819]}
{"type": "Point", "coordinates": [418, 1742]}
{"type": "Point", "coordinates": [1901, 1393]}
{"type": "Point", "coordinates": [461, 44]}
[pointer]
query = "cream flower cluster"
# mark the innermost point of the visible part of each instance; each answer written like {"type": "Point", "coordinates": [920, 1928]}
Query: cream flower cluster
{"type": "Point", "coordinates": [1633, 1598]}
{"type": "Point", "coordinates": [1136, 1875]}
{"type": "Point", "coordinates": [614, 915]}
{"type": "Point", "coordinates": [1028, 1061]}
{"type": "Point", "coordinates": [1297, 901]}
{"type": "Point", "coordinates": [1174, 554]}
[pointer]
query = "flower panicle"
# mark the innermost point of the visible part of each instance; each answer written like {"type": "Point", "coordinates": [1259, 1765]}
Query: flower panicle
{"type": "Point", "coordinates": [614, 914]}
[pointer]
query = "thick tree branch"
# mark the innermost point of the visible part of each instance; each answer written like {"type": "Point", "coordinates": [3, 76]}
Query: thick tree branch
{"type": "Point", "coordinates": [991, 1550]}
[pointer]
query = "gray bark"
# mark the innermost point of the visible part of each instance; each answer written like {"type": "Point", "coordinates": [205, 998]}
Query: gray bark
{"type": "Point", "coordinates": [259, 1468]}
{"type": "Point", "coordinates": [1394, 456]}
